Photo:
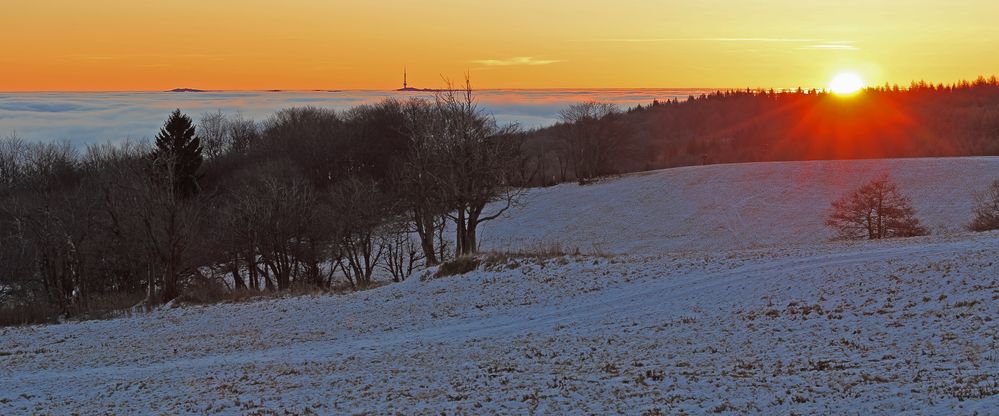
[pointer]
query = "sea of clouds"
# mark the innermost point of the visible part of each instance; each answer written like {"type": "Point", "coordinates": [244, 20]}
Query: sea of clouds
{"type": "Point", "coordinates": [97, 117]}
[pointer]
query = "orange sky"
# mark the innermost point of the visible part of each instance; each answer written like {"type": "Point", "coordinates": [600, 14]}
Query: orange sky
{"type": "Point", "coordinates": [71, 45]}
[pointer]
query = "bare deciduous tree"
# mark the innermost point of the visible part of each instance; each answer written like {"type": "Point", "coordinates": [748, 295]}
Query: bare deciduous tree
{"type": "Point", "coordinates": [282, 207]}
{"type": "Point", "coordinates": [418, 184]}
{"type": "Point", "coordinates": [242, 132]}
{"type": "Point", "coordinates": [401, 255]}
{"type": "Point", "coordinates": [12, 154]}
{"type": "Point", "coordinates": [359, 208]}
{"type": "Point", "coordinates": [213, 129]}
{"type": "Point", "coordinates": [480, 158]}
{"type": "Point", "coordinates": [464, 161]}
{"type": "Point", "coordinates": [52, 220]}
{"type": "Point", "coordinates": [875, 210]}
{"type": "Point", "coordinates": [170, 223]}
{"type": "Point", "coordinates": [312, 138]}
{"type": "Point", "coordinates": [589, 140]}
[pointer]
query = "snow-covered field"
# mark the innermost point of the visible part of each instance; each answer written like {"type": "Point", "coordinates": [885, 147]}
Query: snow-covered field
{"type": "Point", "coordinates": [731, 206]}
{"type": "Point", "coordinates": [772, 322]}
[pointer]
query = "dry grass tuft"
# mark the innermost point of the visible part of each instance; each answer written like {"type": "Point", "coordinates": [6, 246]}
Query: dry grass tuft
{"type": "Point", "coordinates": [460, 265]}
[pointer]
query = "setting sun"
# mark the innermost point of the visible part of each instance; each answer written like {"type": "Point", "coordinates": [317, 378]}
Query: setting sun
{"type": "Point", "coordinates": [846, 83]}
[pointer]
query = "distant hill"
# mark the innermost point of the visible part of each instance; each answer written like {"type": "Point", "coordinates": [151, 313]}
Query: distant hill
{"type": "Point", "coordinates": [185, 90]}
{"type": "Point", "coordinates": [411, 89]}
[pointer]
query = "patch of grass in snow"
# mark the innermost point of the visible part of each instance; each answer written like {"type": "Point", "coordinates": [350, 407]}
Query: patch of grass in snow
{"type": "Point", "coordinates": [9, 353]}
{"type": "Point", "coordinates": [213, 294]}
{"type": "Point", "coordinates": [540, 253]}
{"type": "Point", "coordinates": [460, 265]}
{"type": "Point", "coordinates": [973, 387]}
{"type": "Point", "coordinates": [543, 250]}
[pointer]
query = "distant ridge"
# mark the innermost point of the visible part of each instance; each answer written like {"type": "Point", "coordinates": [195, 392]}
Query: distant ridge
{"type": "Point", "coordinates": [185, 90]}
{"type": "Point", "coordinates": [419, 89]}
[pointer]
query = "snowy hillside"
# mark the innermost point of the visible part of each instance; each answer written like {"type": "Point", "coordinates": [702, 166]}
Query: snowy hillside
{"type": "Point", "coordinates": [889, 327]}
{"type": "Point", "coordinates": [731, 206]}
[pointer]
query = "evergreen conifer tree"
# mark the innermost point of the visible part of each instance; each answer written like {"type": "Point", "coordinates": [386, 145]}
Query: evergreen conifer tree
{"type": "Point", "coordinates": [178, 154]}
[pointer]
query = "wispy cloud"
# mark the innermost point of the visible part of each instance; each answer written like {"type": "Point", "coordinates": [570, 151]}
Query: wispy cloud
{"type": "Point", "coordinates": [750, 39]}
{"type": "Point", "coordinates": [838, 46]}
{"type": "Point", "coordinates": [761, 40]}
{"type": "Point", "coordinates": [515, 61]}
{"type": "Point", "coordinates": [813, 43]}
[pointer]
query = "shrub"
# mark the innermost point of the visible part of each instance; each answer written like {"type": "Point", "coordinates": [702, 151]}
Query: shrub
{"type": "Point", "coordinates": [204, 292]}
{"type": "Point", "coordinates": [986, 209]}
{"type": "Point", "coordinates": [34, 313]}
{"type": "Point", "coordinates": [460, 265]}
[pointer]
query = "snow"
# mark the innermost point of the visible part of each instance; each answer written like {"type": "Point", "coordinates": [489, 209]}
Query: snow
{"type": "Point", "coordinates": [763, 325]}
{"type": "Point", "coordinates": [730, 206]}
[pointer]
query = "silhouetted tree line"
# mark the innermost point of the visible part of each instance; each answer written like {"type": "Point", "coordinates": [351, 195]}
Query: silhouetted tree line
{"type": "Point", "coordinates": [310, 197]}
{"type": "Point", "coordinates": [921, 120]}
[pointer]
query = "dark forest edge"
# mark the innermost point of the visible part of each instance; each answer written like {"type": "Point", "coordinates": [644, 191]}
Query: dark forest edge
{"type": "Point", "coordinates": [324, 200]}
{"type": "Point", "coordinates": [922, 120]}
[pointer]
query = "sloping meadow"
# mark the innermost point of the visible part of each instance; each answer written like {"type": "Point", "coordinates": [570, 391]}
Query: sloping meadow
{"type": "Point", "coordinates": [715, 291]}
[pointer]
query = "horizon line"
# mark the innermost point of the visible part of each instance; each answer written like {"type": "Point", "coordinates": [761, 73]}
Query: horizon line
{"type": "Point", "coordinates": [335, 90]}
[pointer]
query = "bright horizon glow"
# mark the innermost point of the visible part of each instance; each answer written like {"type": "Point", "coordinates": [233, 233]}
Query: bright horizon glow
{"type": "Point", "coordinates": [846, 83]}
{"type": "Point", "coordinates": [240, 45]}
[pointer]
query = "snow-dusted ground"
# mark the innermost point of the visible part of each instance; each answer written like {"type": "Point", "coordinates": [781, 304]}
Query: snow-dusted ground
{"type": "Point", "coordinates": [731, 206]}
{"type": "Point", "coordinates": [900, 326]}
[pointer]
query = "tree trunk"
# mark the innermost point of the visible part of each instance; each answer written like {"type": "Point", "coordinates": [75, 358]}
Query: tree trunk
{"type": "Point", "coordinates": [470, 239]}
{"type": "Point", "coordinates": [237, 279]}
{"type": "Point", "coordinates": [425, 230]}
{"type": "Point", "coordinates": [460, 233]}
{"type": "Point", "coordinates": [251, 265]}
{"type": "Point", "coordinates": [169, 283]}
{"type": "Point", "coordinates": [268, 282]}
{"type": "Point", "coordinates": [149, 287]}
{"type": "Point", "coordinates": [881, 229]}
